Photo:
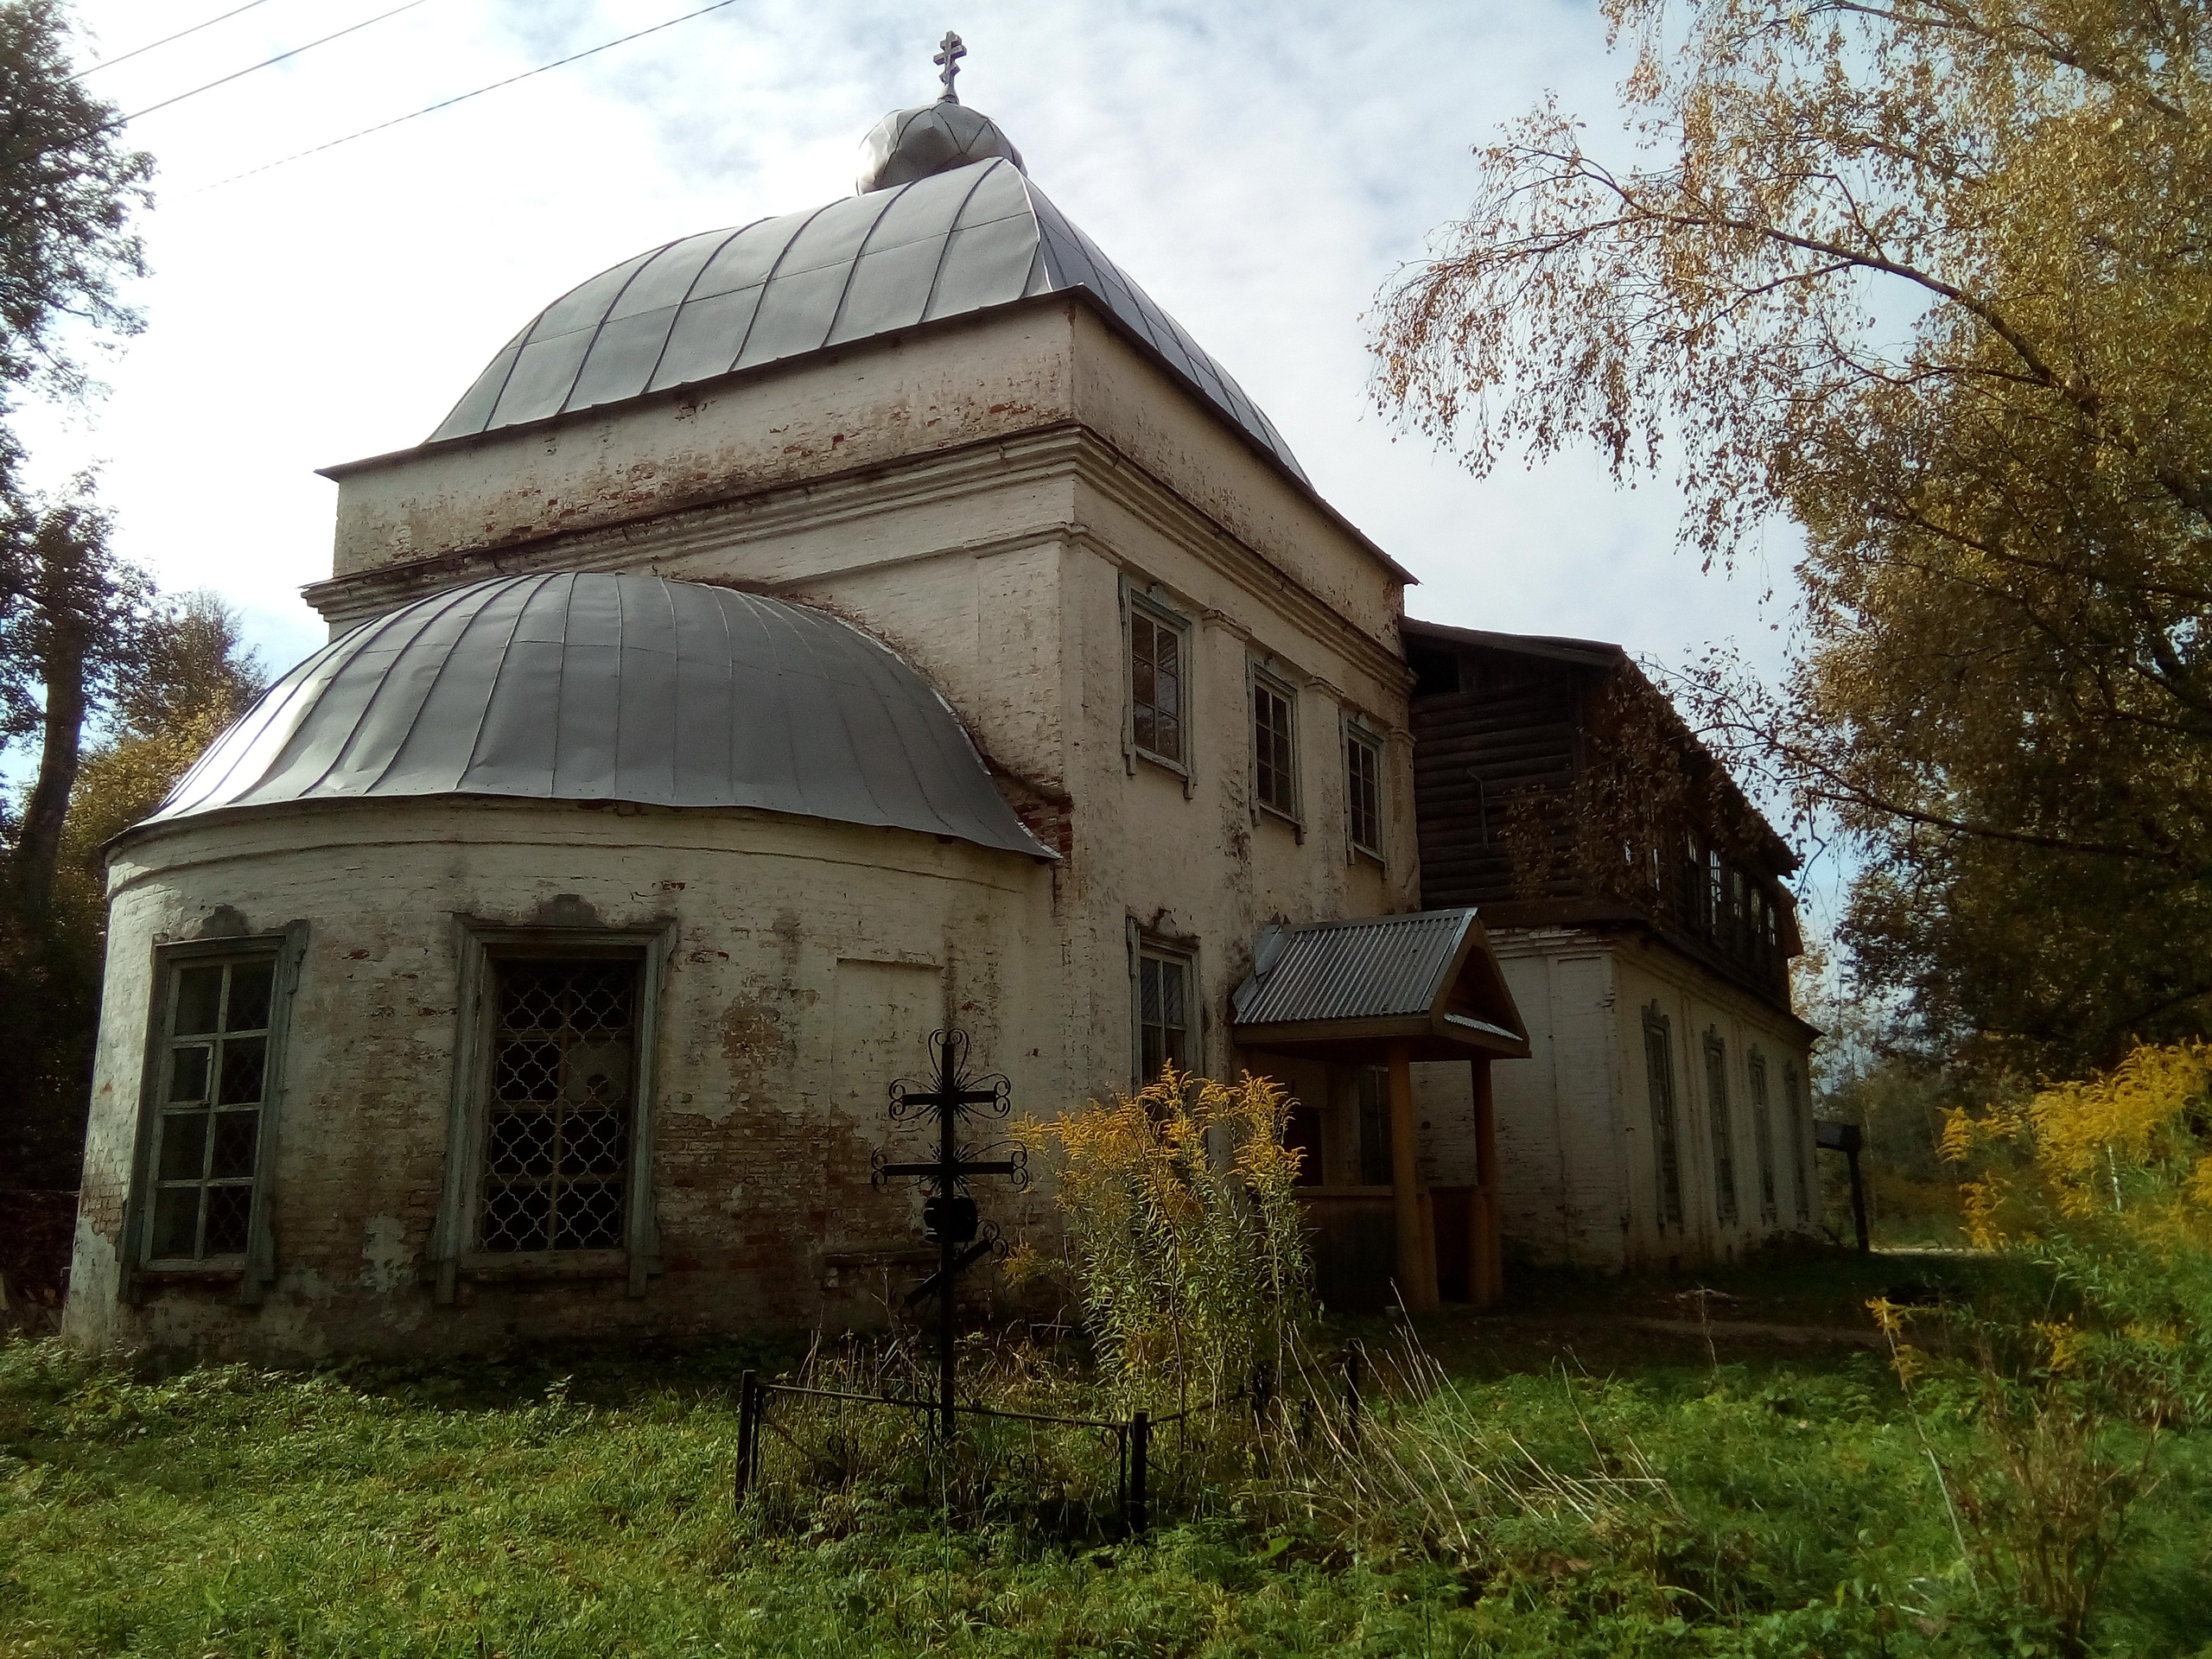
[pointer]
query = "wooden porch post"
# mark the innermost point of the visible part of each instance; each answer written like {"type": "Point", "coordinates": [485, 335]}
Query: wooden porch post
{"type": "Point", "coordinates": [1485, 1247]}
{"type": "Point", "coordinates": [1416, 1249]}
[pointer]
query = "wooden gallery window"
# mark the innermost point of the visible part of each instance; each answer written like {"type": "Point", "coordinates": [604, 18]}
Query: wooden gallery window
{"type": "Point", "coordinates": [1762, 1138]}
{"type": "Point", "coordinates": [1157, 654]}
{"type": "Point", "coordinates": [1363, 790]}
{"type": "Point", "coordinates": [1666, 1138]}
{"type": "Point", "coordinates": [550, 1126]}
{"type": "Point", "coordinates": [212, 1071]}
{"type": "Point", "coordinates": [1793, 1102]}
{"type": "Point", "coordinates": [1163, 978]}
{"type": "Point", "coordinates": [1724, 1129]}
{"type": "Point", "coordinates": [1275, 745]}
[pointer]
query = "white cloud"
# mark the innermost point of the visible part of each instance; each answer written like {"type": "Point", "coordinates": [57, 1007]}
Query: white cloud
{"type": "Point", "coordinates": [1260, 168]}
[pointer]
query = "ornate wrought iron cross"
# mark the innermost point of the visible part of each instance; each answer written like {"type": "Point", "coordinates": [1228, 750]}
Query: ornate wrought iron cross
{"type": "Point", "coordinates": [948, 54]}
{"type": "Point", "coordinates": [949, 1215]}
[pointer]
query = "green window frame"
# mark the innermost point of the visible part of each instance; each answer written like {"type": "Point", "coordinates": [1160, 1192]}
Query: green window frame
{"type": "Point", "coordinates": [1164, 1022]}
{"type": "Point", "coordinates": [550, 1126]}
{"type": "Point", "coordinates": [1364, 793]}
{"type": "Point", "coordinates": [1159, 674]}
{"type": "Point", "coordinates": [1275, 745]}
{"type": "Point", "coordinates": [212, 1079]}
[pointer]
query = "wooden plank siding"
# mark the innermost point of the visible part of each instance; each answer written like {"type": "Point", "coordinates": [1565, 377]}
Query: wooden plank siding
{"type": "Point", "coordinates": [1497, 716]}
{"type": "Point", "coordinates": [1473, 750]}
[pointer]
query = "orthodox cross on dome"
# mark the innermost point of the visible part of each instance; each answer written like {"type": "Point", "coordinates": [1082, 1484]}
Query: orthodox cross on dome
{"type": "Point", "coordinates": [950, 52]}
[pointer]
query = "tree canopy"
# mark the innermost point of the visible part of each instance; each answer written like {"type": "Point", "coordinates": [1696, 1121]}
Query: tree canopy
{"type": "Point", "coordinates": [68, 189]}
{"type": "Point", "coordinates": [1930, 278]}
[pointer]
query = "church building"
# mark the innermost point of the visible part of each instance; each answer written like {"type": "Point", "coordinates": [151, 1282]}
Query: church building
{"type": "Point", "coordinates": [799, 638]}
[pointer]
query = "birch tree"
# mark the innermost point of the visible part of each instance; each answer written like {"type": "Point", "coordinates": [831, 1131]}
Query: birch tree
{"type": "Point", "coordinates": [1930, 278]}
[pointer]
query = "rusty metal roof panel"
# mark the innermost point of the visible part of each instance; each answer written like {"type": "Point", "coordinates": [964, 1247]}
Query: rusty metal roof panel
{"type": "Point", "coordinates": [945, 244]}
{"type": "Point", "coordinates": [1374, 968]}
{"type": "Point", "coordinates": [586, 686]}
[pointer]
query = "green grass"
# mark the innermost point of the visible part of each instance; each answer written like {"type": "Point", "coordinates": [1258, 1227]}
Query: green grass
{"type": "Point", "coordinates": [578, 1506]}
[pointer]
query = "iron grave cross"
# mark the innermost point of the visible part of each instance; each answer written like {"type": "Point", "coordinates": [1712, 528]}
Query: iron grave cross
{"type": "Point", "coordinates": [950, 52]}
{"type": "Point", "coordinates": [949, 1217]}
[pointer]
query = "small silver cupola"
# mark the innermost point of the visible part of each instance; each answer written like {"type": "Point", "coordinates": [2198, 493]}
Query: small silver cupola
{"type": "Point", "coordinates": [910, 144]}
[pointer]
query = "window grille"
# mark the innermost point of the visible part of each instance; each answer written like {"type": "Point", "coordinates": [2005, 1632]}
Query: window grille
{"type": "Point", "coordinates": [1666, 1148]}
{"type": "Point", "coordinates": [559, 1105]}
{"type": "Point", "coordinates": [1724, 1130]}
{"type": "Point", "coordinates": [1363, 792]}
{"type": "Point", "coordinates": [1274, 754]}
{"type": "Point", "coordinates": [1763, 1139]}
{"type": "Point", "coordinates": [1163, 1011]}
{"type": "Point", "coordinates": [1156, 685]}
{"type": "Point", "coordinates": [1793, 1104]}
{"type": "Point", "coordinates": [213, 1082]}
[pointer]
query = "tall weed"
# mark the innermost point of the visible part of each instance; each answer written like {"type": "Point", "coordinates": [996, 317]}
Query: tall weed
{"type": "Point", "coordinates": [1183, 1233]}
{"type": "Point", "coordinates": [2072, 1371]}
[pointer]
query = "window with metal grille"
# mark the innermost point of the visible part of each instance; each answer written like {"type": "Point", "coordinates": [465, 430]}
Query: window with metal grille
{"type": "Point", "coordinates": [559, 1104]}
{"type": "Point", "coordinates": [1273, 752]}
{"type": "Point", "coordinates": [1363, 792]}
{"type": "Point", "coordinates": [1762, 1138]}
{"type": "Point", "coordinates": [1156, 685]}
{"type": "Point", "coordinates": [1724, 1129]}
{"type": "Point", "coordinates": [1793, 1104]}
{"type": "Point", "coordinates": [212, 1081]}
{"type": "Point", "coordinates": [1163, 989]}
{"type": "Point", "coordinates": [1666, 1145]}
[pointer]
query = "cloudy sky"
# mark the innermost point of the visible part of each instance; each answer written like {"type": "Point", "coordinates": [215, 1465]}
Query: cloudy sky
{"type": "Point", "coordinates": [1262, 167]}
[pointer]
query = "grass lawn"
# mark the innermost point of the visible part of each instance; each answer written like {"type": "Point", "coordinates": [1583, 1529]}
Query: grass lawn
{"type": "Point", "coordinates": [578, 1504]}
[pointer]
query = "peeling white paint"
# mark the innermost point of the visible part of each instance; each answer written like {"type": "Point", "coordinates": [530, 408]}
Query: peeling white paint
{"type": "Point", "coordinates": [388, 1264]}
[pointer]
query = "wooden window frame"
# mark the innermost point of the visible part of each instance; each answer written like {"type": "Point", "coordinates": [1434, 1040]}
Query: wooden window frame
{"type": "Point", "coordinates": [1755, 1076]}
{"type": "Point", "coordinates": [1145, 946]}
{"type": "Point", "coordinates": [1257, 678]}
{"type": "Point", "coordinates": [1665, 1120]}
{"type": "Point", "coordinates": [1727, 1207]}
{"type": "Point", "coordinates": [1153, 604]}
{"type": "Point", "coordinates": [253, 1269]}
{"type": "Point", "coordinates": [453, 1255]}
{"type": "Point", "coordinates": [1793, 1098]}
{"type": "Point", "coordinates": [1359, 736]}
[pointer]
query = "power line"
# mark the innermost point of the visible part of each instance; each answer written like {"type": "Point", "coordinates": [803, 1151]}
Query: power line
{"type": "Point", "coordinates": [136, 51]}
{"type": "Point", "coordinates": [265, 62]}
{"type": "Point", "coordinates": [447, 104]}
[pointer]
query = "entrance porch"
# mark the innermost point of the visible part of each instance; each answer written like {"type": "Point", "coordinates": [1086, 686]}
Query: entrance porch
{"type": "Point", "coordinates": [1338, 1012]}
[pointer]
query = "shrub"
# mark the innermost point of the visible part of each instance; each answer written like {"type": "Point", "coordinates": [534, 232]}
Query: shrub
{"type": "Point", "coordinates": [2072, 1371]}
{"type": "Point", "coordinates": [1183, 1232]}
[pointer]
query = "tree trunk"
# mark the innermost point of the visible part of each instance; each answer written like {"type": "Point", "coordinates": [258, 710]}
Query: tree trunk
{"type": "Point", "coordinates": [38, 848]}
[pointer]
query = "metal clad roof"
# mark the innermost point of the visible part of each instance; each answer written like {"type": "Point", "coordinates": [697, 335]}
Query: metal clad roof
{"type": "Point", "coordinates": [1372, 968]}
{"type": "Point", "coordinates": [590, 686]}
{"type": "Point", "coordinates": [952, 242]}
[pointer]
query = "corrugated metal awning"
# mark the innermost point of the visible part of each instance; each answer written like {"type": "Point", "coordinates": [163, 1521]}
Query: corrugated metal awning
{"type": "Point", "coordinates": [1427, 978]}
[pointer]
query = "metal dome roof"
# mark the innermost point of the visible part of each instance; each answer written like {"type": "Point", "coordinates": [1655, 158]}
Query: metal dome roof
{"type": "Point", "coordinates": [910, 144]}
{"type": "Point", "coordinates": [957, 241]}
{"type": "Point", "coordinates": [587, 686]}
